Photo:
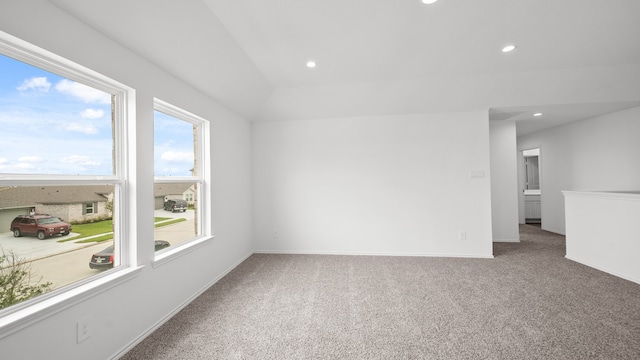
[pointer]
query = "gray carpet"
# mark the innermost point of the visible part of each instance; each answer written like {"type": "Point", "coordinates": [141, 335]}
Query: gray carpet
{"type": "Point", "coordinates": [527, 303]}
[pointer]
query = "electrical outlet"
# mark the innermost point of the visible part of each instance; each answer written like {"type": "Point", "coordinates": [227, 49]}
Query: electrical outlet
{"type": "Point", "coordinates": [275, 234]}
{"type": "Point", "coordinates": [462, 235]}
{"type": "Point", "coordinates": [84, 328]}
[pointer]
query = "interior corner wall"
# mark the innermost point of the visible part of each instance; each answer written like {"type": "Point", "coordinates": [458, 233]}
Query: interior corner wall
{"type": "Point", "coordinates": [601, 153]}
{"type": "Point", "coordinates": [394, 185]}
{"type": "Point", "coordinates": [125, 312]}
{"type": "Point", "coordinates": [504, 181]}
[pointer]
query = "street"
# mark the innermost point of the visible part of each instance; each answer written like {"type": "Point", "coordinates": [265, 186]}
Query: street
{"type": "Point", "coordinates": [65, 263]}
{"type": "Point", "coordinates": [66, 268]}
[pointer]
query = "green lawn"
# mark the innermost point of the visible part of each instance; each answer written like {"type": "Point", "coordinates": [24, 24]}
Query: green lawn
{"type": "Point", "coordinates": [169, 222]}
{"type": "Point", "coordinates": [106, 227]}
{"type": "Point", "coordinates": [95, 228]}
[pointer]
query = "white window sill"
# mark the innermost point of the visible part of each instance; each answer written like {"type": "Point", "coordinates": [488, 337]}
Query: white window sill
{"type": "Point", "coordinates": [180, 250]}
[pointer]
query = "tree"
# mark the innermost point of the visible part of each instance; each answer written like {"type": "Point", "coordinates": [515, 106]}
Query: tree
{"type": "Point", "coordinates": [16, 284]}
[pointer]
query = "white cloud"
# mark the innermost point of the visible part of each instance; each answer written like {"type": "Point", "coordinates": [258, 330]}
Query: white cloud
{"type": "Point", "coordinates": [79, 160]}
{"type": "Point", "coordinates": [83, 92]}
{"type": "Point", "coordinates": [176, 156]}
{"type": "Point", "coordinates": [92, 114]}
{"type": "Point", "coordinates": [8, 167]}
{"type": "Point", "coordinates": [30, 159]}
{"type": "Point", "coordinates": [15, 168]}
{"type": "Point", "coordinates": [82, 128]}
{"type": "Point", "coordinates": [37, 84]}
{"type": "Point", "coordinates": [24, 166]}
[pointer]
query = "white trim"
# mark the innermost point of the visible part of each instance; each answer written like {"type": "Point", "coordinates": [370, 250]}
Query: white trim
{"type": "Point", "coordinates": [175, 179]}
{"type": "Point", "coordinates": [506, 240]}
{"type": "Point", "coordinates": [174, 252]}
{"type": "Point", "coordinates": [357, 253]}
{"type": "Point", "coordinates": [46, 60]}
{"type": "Point", "coordinates": [615, 195]}
{"type": "Point", "coordinates": [205, 174]}
{"type": "Point", "coordinates": [169, 109]}
{"type": "Point", "coordinates": [57, 179]}
{"type": "Point", "coordinates": [600, 268]}
{"type": "Point", "coordinates": [202, 178]}
{"type": "Point", "coordinates": [26, 313]}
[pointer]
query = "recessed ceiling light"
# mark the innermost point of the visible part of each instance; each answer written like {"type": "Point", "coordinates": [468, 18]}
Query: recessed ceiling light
{"type": "Point", "coordinates": [537, 114]}
{"type": "Point", "coordinates": [311, 64]}
{"type": "Point", "coordinates": [508, 48]}
{"type": "Point", "coordinates": [429, 2]}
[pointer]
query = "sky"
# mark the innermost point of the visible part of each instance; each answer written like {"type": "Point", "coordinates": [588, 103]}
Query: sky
{"type": "Point", "coordinates": [173, 146]}
{"type": "Point", "coordinates": [53, 125]}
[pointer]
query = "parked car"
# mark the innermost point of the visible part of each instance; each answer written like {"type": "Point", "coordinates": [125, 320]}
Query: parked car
{"type": "Point", "coordinates": [174, 205]}
{"type": "Point", "coordinates": [40, 225]}
{"type": "Point", "coordinates": [104, 259]}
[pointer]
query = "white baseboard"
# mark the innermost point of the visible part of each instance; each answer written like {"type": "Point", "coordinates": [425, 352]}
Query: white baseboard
{"type": "Point", "coordinates": [608, 271]}
{"type": "Point", "coordinates": [166, 318]}
{"type": "Point", "coordinates": [297, 252]}
{"type": "Point", "coordinates": [555, 231]}
{"type": "Point", "coordinates": [506, 240]}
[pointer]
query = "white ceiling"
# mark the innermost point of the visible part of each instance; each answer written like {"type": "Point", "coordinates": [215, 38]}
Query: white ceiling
{"type": "Point", "coordinates": [382, 57]}
{"type": "Point", "coordinates": [382, 40]}
{"type": "Point", "coordinates": [554, 115]}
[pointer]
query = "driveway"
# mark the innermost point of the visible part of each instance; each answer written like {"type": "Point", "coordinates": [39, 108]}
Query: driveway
{"type": "Point", "coordinates": [168, 214]}
{"type": "Point", "coordinates": [30, 248]}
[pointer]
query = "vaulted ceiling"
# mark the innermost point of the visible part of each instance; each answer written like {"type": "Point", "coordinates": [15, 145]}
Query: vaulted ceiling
{"type": "Point", "coordinates": [382, 57]}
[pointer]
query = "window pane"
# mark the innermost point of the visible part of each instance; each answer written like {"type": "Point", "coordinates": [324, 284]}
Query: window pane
{"type": "Point", "coordinates": [176, 212]}
{"type": "Point", "coordinates": [177, 216]}
{"type": "Point", "coordinates": [173, 146]}
{"type": "Point", "coordinates": [46, 229]}
{"type": "Point", "coordinates": [52, 125]}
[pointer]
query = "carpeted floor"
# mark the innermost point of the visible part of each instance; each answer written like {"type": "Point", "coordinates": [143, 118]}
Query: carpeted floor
{"type": "Point", "coordinates": [527, 303]}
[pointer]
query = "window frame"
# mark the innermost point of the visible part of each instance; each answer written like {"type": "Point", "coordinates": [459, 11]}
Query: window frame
{"type": "Point", "coordinates": [19, 315]}
{"type": "Point", "coordinates": [89, 208]}
{"type": "Point", "coordinates": [202, 179]}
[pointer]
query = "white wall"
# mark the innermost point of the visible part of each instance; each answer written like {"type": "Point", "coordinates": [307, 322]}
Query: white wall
{"type": "Point", "coordinates": [602, 231]}
{"type": "Point", "coordinates": [602, 153]}
{"type": "Point", "coordinates": [125, 312]}
{"type": "Point", "coordinates": [504, 184]}
{"type": "Point", "coordinates": [396, 185]}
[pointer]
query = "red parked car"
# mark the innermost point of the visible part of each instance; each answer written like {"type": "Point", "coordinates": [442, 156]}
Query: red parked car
{"type": "Point", "coordinates": [40, 225]}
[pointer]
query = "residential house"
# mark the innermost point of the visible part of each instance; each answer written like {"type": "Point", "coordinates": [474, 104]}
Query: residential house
{"type": "Point", "coordinates": [73, 204]}
{"type": "Point", "coordinates": [76, 204]}
{"type": "Point", "coordinates": [164, 192]}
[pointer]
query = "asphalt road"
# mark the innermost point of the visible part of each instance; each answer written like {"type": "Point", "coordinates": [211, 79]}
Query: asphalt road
{"type": "Point", "coordinates": [65, 263]}
{"type": "Point", "coordinates": [66, 268]}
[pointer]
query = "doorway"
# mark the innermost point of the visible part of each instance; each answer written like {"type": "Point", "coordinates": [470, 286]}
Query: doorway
{"type": "Point", "coordinates": [531, 211]}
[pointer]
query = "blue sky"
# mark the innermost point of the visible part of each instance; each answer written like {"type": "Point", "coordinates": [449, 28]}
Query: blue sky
{"type": "Point", "coordinates": [173, 146]}
{"type": "Point", "coordinates": [53, 125]}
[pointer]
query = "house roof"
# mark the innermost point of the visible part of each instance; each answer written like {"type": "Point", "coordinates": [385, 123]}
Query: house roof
{"type": "Point", "coordinates": [170, 189]}
{"type": "Point", "coordinates": [25, 196]}
{"type": "Point", "coordinates": [50, 195]}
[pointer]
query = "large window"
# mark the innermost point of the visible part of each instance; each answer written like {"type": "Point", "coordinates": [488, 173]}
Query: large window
{"type": "Point", "coordinates": [63, 173]}
{"type": "Point", "coordinates": [180, 189]}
